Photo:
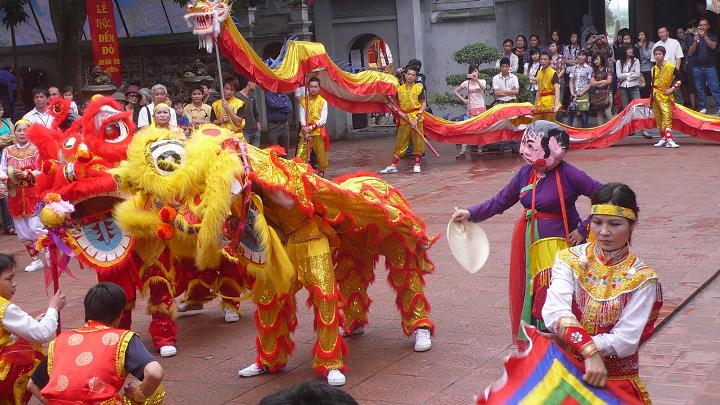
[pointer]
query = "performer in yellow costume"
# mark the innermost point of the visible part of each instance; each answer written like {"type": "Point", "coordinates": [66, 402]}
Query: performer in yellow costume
{"type": "Point", "coordinates": [228, 112]}
{"type": "Point", "coordinates": [547, 102]}
{"type": "Point", "coordinates": [277, 223]}
{"type": "Point", "coordinates": [665, 79]}
{"type": "Point", "coordinates": [412, 106]}
{"type": "Point", "coordinates": [313, 113]}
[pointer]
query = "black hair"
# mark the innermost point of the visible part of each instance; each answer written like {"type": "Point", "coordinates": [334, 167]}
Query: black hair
{"type": "Point", "coordinates": [544, 53]}
{"type": "Point", "coordinates": [660, 48]}
{"type": "Point", "coordinates": [616, 194]}
{"type": "Point", "coordinates": [504, 61]}
{"type": "Point", "coordinates": [602, 60]}
{"type": "Point", "coordinates": [197, 87]}
{"type": "Point", "coordinates": [557, 45]}
{"type": "Point", "coordinates": [508, 40]}
{"type": "Point", "coordinates": [536, 37]}
{"type": "Point", "coordinates": [414, 68]}
{"type": "Point", "coordinates": [576, 34]}
{"type": "Point", "coordinates": [38, 90]}
{"type": "Point", "coordinates": [309, 393]}
{"type": "Point", "coordinates": [588, 35]}
{"type": "Point", "coordinates": [68, 89]}
{"type": "Point", "coordinates": [524, 39]}
{"type": "Point", "coordinates": [233, 81]}
{"type": "Point", "coordinates": [314, 79]}
{"type": "Point", "coordinates": [707, 20]}
{"type": "Point", "coordinates": [560, 135]}
{"type": "Point", "coordinates": [624, 52]}
{"type": "Point", "coordinates": [7, 262]}
{"type": "Point", "coordinates": [243, 81]}
{"type": "Point", "coordinates": [534, 51]}
{"type": "Point", "coordinates": [583, 52]}
{"type": "Point", "coordinates": [473, 68]}
{"type": "Point", "coordinates": [416, 63]}
{"type": "Point", "coordinates": [664, 26]}
{"type": "Point", "coordinates": [104, 302]}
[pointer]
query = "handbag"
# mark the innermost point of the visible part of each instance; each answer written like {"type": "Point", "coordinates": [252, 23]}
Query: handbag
{"type": "Point", "coordinates": [583, 102]}
{"type": "Point", "coordinates": [600, 100]}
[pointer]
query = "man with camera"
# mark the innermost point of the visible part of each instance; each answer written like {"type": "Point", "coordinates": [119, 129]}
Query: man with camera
{"type": "Point", "coordinates": [704, 51]}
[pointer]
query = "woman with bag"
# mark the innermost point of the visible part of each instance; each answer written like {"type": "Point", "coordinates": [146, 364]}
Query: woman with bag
{"type": "Point", "coordinates": [627, 69]}
{"type": "Point", "coordinates": [475, 102]}
{"type": "Point", "coordinates": [579, 82]}
{"type": "Point", "coordinates": [600, 81]}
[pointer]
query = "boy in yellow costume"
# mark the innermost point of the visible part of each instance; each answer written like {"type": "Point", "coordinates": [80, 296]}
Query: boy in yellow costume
{"type": "Point", "coordinates": [228, 112]}
{"type": "Point", "coordinates": [412, 106]}
{"type": "Point", "coordinates": [313, 135]}
{"type": "Point", "coordinates": [547, 102]}
{"type": "Point", "coordinates": [665, 79]}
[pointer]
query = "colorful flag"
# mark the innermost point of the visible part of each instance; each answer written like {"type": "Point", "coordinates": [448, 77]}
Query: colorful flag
{"type": "Point", "coordinates": [546, 374]}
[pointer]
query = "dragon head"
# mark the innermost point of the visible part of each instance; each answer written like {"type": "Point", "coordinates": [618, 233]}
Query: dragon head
{"type": "Point", "coordinates": [74, 164]}
{"type": "Point", "coordinates": [205, 18]}
{"type": "Point", "coordinates": [189, 185]}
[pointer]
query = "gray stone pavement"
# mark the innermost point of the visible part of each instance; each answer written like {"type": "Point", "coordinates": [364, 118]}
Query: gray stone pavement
{"type": "Point", "coordinates": [677, 235]}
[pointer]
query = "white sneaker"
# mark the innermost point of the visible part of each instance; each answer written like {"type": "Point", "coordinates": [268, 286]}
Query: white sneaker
{"type": "Point", "coordinates": [671, 144]}
{"type": "Point", "coordinates": [183, 307]}
{"type": "Point", "coordinates": [168, 351]}
{"type": "Point", "coordinates": [252, 371]}
{"type": "Point", "coordinates": [231, 316]}
{"type": "Point", "coordinates": [357, 331]}
{"type": "Point", "coordinates": [389, 169]}
{"type": "Point", "coordinates": [36, 265]}
{"type": "Point", "coordinates": [703, 111]}
{"type": "Point", "coordinates": [416, 169]}
{"type": "Point", "coordinates": [423, 341]}
{"type": "Point", "coordinates": [661, 142]}
{"type": "Point", "coordinates": [336, 378]}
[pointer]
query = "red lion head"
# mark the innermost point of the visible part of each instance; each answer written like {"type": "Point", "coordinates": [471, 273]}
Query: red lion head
{"type": "Point", "coordinates": [74, 164]}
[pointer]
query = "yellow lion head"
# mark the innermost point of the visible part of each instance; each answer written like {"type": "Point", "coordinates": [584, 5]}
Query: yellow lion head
{"type": "Point", "coordinates": [188, 184]}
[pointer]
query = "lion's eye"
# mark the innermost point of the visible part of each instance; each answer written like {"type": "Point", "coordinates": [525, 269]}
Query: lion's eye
{"type": "Point", "coordinates": [116, 132]}
{"type": "Point", "coordinates": [167, 155]}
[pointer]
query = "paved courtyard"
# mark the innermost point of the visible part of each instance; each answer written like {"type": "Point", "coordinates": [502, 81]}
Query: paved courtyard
{"type": "Point", "coordinates": [677, 235]}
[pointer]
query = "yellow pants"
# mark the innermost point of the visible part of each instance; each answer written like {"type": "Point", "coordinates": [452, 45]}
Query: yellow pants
{"type": "Point", "coordinates": [547, 116]}
{"type": "Point", "coordinates": [404, 133]}
{"type": "Point", "coordinates": [662, 110]}
{"type": "Point", "coordinates": [317, 144]}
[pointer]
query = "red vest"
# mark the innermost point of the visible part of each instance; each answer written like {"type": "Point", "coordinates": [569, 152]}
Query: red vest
{"type": "Point", "coordinates": [22, 195]}
{"type": "Point", "coordinates": [87, 365]}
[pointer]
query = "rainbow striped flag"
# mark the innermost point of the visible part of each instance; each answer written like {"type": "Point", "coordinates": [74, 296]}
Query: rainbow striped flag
{"type": "Point", "coordinates": [546, 374]}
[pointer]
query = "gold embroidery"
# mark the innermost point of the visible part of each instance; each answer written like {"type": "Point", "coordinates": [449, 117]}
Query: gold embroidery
{"type": "Point", "coordinates": [83, 359]}
{"type": "Point", "coordinates": [75, 339]}
{"type": "Point", "coordinates": [96, 384]}
{"type": "Point", "coordinates": [110, 338]}
{"type": "Point", "coordinates": [604, 282]}
{"type": "Point", "coordinates": [62, 383]}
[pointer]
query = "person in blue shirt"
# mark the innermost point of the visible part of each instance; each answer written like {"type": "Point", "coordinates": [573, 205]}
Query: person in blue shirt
{"type": "Point", "coordinates": [279, 108]}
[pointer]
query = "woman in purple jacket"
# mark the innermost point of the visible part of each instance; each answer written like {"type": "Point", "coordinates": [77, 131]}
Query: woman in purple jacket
{"type": "Point", "coordinates": [548, 188]}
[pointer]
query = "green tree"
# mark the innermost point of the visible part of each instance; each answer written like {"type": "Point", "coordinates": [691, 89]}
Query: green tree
{"type": "Point", "coordinates": [475, 54]}
{"type": "Point", "coordinates": [14, 15]}
{"type": "Point", "coordinates": [68, 18]}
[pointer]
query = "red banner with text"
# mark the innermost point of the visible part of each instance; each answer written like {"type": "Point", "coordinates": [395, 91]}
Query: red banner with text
{"type": "Point", "coordinates": [106, 48]}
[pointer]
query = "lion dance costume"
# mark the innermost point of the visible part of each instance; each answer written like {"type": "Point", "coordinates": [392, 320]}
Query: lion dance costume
{"type": "Point", "coordinates": [279, 227]}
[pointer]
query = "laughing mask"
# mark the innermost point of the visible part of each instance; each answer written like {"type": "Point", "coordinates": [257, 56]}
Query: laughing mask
{"type": "Point", "coordinates": [543, 145]}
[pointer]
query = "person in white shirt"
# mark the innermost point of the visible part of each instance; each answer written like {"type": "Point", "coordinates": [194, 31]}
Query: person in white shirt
{"type": "Point", "coordinates": [506, 87]}
{"type": "Point", "coordinates": [159, 95]}
{"type": "Point", "coordinates": [604, 323]}
{"type": "Point", "coordinates": [508, 48]}
{"type": "Point", "coordinates": [19, 332]}
{"type": "Point", "coordinates": [40, 114]}
{"type": "Point", "coordinates": [628, 74]}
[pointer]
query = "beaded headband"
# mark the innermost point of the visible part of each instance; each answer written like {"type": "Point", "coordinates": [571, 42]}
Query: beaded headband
{"type": "Point", "coordinates": [614, 210]}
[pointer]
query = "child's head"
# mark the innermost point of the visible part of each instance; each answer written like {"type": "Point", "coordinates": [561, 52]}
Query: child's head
{"type": "Point", "coordinates": [68, 93]}
{"type": "Point", "coordinates": [105, 302]}
{"type": "Point", "coordinates": [7, 276]}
